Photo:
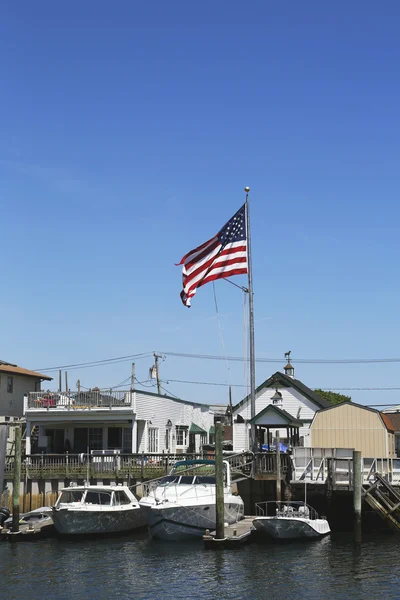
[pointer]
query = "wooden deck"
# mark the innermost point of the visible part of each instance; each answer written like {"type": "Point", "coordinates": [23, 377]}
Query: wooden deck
{"type": "Point", "coordinates": [238, 533]}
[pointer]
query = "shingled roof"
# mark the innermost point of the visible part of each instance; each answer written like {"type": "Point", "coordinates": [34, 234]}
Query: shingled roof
{"type": "Point", "coordinates": [280, 380]}
{"type": "Point", "coordinates": [6, 367]}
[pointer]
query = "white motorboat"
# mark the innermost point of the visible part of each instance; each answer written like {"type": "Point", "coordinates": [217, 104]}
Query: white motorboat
{"type": "Point", "coordinates": [289, 521]}
{"type": "Point", "coordinates": [97, 509]}
{"type": "Point", "coordinates": [181, 505]}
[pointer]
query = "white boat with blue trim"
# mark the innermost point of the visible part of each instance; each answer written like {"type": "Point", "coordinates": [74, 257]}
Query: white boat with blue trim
{"type": "Point", "coordinates": [289, 521]}
{"type": "Point", "coordinates": [181, 506]}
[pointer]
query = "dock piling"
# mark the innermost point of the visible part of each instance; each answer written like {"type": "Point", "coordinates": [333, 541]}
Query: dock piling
{"type": "Point", "coordinates": [219, 477]}
{"type": "Point", "coordinates": [278, 466]}
{"type": "Point", "coordinates": [357, 493]}
{"type": "Point", "coordinates": [17, 479]}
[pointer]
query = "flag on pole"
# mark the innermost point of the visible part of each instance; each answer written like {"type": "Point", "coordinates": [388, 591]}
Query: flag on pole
{"type": "Point", "coordinates": [222, 256]}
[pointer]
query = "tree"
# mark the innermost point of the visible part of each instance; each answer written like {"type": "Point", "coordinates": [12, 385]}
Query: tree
{"type": "Point", "coordinates": [333, 397]}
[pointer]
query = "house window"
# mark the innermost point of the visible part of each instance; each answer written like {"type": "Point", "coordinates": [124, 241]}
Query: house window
{"type": "Point", "coordinates": [127, 440]}
{"type": "Point", "coordinates": [95, 438]}
{"type": "Point", "coordinates": [181, 435]}
{"type": "Point", "coordinates": [153, 439]}
{"type": "Point", "coordinates": [10, 384]}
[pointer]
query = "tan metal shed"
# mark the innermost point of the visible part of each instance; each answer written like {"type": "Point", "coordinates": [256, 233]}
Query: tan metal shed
{"type": "Point", "coordinates": [350, 425]}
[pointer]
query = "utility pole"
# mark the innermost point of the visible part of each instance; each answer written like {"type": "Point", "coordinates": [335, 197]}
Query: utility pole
{"type": "Point", "coordinates": [78, 385]}
{"type": "Point", "coordinates": [156, 357]}
{"type": "Point", "coordinates": [230, 406]}
{"type": "Point", "coordinates": [66, 382]}
{"type": "Point", "coordinates": [133, 377]}
{"type": "Point", "coordinates": [59, 380]}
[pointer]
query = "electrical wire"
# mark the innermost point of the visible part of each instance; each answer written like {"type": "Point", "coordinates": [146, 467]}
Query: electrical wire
{"type": "Point", "coordinates": [316, 361]}
{"type": "Point", "coordinates": [95, 363]}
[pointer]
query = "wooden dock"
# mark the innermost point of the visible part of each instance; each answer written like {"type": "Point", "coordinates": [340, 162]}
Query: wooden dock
{"type": "Point", "coordinates": [235, 534]}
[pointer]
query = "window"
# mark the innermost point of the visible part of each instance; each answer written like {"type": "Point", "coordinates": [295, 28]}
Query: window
{"type": "Point", "coordinates": [10, 385]}
{"type": "Point", "coordinates": [70, 496]}
{"type": "Point", "coordinates": [181, 435]}
{"type": "Point", "coordinates": [127, 440]}
{"type": "Point", "coordinates": [115, 438]}
{"type": "Point", "coordinates": [98, 498]}
{"type": "Point", "coordinates": [121, 498]}
{"type": "Point", "coordinates": [95, 438]}
{"type": "Point", "coordinates": [153, 439]}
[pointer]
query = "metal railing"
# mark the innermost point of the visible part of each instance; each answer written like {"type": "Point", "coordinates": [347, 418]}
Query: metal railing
{"type": "Point", "coordinates": [288, 509]}
{"type": "Point", "coordinates": [335, 465]}
{"type": "Point", "coordinates": [79, 400]}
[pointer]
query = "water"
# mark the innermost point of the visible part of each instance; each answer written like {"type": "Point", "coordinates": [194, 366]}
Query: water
{"type": "Point", "coordinates": [135, 567]}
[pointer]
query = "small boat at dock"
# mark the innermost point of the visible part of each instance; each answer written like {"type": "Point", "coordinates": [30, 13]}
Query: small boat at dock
{"type": "Point", "coordinates": [289, 521]}
{"type": "Point", "coordinates": [181, 506]}
{"type": "Point", "coordinates": [97, 509]}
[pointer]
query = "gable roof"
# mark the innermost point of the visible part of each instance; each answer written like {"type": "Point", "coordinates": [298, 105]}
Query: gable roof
{"type": "Point", "coordinates": [383, 417]}
{"type": "Point", "coordinates": [6, 367]}
{"type": "Point", "coordinates": [279, 379]}
{"type": "Point", "coordinates": [291, 421]}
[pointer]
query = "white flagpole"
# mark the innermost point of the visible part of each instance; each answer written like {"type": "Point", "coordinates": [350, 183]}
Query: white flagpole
{"type": "Point", "coordinates": [253, 441]}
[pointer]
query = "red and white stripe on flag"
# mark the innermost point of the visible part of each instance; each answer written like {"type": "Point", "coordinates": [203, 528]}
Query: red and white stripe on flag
{"type": "Point", "coordinates": [222, 256]}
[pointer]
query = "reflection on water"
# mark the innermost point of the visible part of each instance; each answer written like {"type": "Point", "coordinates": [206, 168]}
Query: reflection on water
{"type": "Point", "coordinates": [139, 568]}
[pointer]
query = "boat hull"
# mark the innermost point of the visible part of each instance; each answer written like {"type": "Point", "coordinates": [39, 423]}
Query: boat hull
{"type": "Point", "coordinates": [285, 528]}
{"type": "Point", "coordinates": [85, 522]}
{"type": "Point", "coordinates": [178, 523]}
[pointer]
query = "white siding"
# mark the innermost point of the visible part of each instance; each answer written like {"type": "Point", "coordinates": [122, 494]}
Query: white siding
{"type": "Point", "coordinates": [240, 437]}
{"type": "Point", "coordinates": [159, 410]}
{"type": "Point", "coordinates": [292, 401]}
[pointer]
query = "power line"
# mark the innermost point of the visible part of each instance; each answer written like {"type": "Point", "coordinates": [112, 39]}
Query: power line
{"type": "Point", "coordinates": [95, 363]}
{"type": "Point", "coordinates": [327, 389]}
{"type": "Point", "coordinates": [120, 359]}
{"type": "Point", "coordinates": [316, 361]}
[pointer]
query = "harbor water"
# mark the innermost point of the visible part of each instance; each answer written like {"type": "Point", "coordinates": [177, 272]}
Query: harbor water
{"type": "Point", "coordinates": [136, 567]}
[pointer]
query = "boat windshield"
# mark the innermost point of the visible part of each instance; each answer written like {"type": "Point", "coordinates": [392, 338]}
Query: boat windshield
{"type": "Point", "coordinates": [169, 479]}
{"type": "Point", "coordinates": [69, 496]}
{"type": "Point", "coordinates": [93, 497]}
{"type": "Point", "coordinates": [204, 480]}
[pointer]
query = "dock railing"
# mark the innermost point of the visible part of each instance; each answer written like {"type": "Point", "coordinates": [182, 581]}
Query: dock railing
{"type": "Point", "coordinates": [335, 466]}
{"type": "Point", "coordinates": [144, 465]}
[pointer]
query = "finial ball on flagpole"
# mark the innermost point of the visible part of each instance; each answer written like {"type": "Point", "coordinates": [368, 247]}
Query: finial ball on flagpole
{"type": "Point", "coordinates": [247, 189]}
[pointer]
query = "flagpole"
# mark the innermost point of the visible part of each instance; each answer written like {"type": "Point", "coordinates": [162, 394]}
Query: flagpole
{"type": "Point", "coordinates": [253, 441]}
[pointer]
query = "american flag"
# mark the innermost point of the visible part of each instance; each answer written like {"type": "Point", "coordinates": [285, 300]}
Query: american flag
{"type": "Point", "coordinates": [222, 256]}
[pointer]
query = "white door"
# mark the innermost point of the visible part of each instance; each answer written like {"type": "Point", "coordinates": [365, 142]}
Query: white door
{"type": "Point", "coordinates": [153, 439]}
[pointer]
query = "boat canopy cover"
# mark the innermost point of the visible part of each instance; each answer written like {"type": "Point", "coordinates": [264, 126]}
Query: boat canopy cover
{"type": "Point", "coordinates": [200, 461]}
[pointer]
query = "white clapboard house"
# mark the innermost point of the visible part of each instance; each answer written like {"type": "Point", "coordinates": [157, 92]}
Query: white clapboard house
{"type": "Point", "coordinates": [123, 421]}
{"type": "Point", "coordinates": [283, 403]}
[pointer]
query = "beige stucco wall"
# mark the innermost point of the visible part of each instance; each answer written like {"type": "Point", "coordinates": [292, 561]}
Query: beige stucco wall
{"type": "Point", "coordinates": [349, 426]}
{"type": "Point", "coordinates": [12, 404]}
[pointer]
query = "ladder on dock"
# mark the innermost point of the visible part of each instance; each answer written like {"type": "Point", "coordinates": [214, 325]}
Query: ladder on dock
{"type": "Point", "coordinates": [384, 500]}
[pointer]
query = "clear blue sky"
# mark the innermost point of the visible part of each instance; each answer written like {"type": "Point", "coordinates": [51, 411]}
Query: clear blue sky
{"type": "Point", "coordinates": [127, 133]}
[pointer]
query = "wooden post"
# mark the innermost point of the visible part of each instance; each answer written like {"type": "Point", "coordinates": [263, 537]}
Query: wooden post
{"type": "Point", "coordinates": [357, 493]}
{"type": "Point", "coordinates": [16, 479]}
{"type": "Point", "coordinates": [219, 480]}
{"type": "Point", "coordinates": [278, 466]}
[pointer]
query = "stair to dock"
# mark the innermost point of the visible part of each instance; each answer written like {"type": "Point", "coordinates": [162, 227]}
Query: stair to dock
{"type": "Point", "coordinates": [384, 499]}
